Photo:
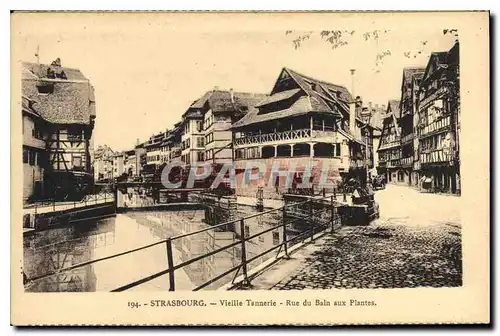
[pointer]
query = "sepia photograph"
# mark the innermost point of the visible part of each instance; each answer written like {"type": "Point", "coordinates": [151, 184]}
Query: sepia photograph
{"type": "Point", "coordinates": [160, 154]}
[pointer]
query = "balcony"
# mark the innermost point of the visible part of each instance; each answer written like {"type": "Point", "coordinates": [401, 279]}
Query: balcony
{"type": "Point", "coordinates": [393, 163]}
{"type": "Point", "coordinates": [407, 138]}
{"type": "Point", "coordinates": [284, 137]}
{"type": "Point", "coordinates": [407, 161]}
{"type": "Point", "coordinates": [175, 152]}
{"type": "Point", "coordinates": [433, 96]}
{"type": "Point", "coordinates": [389, 143]}
{"type": "Point", "coordinates": [436, 156]}
{"type": "Point", "coordinates": [359, 163]}
{"type": "Point", "coordinates": [436, 127]}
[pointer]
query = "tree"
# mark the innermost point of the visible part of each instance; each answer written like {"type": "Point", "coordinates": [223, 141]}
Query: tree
{"type": "Point", "coordinates": [341, 38]}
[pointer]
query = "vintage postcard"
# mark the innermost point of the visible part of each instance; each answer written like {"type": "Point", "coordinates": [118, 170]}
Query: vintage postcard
{"type": "Point", "coordinates": [250, 168]}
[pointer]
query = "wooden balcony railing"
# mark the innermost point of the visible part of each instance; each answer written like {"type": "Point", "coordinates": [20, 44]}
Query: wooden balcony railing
{"type": "Point", "coordinates": [407, 138]}
{"type": "Point", "coordinates": [391, 144]}
{"type": "Point", "coordinates": [436, 156]}
{"type": "Point", "coordinates": [291, 135]}
{"type": "Point", "coordinates": [393, 163]}
{"type": "Point", "coordinates": [429, 98]}
{"type": "Point", "coordinates": [437, 125]}
{"type": "Point", "coordinates": [407, 161]}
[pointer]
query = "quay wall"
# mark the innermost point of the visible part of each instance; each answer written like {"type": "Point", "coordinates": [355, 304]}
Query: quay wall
{"type": "Point", "coordinates": [47, 220]}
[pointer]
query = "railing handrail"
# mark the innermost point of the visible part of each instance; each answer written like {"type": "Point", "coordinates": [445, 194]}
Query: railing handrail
{"type": "Point", "coordinates": [86, 263]}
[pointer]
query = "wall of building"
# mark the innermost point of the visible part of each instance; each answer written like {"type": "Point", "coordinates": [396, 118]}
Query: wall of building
{"type": "Point", "coordinates": [68, 148]}
{"type": "Point", "coordinates": [334, 168]}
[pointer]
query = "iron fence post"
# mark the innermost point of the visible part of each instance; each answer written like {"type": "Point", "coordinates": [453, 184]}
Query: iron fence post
{"type": "Point", "coordinates": [345, 196]}
{"type": "Point", "coordinates": [54, 205]}
{"type": "Point", "coordinates": [332, 212]}
{"type": "Point", "coordinates": [311, 218]}
{"type": "Point", "coordinates": [335, 193]}
{"type": "Point", "coordinates": [170, 260]}
{"type": "Point", "coordinates": [245, 281]}
{"type": "Point", "coordinates": [285, 245]}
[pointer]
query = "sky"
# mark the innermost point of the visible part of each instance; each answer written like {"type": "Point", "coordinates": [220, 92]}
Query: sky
{"type": "Point", "coordinates": [146, 73]}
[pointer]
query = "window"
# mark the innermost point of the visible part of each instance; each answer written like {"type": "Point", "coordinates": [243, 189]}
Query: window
{"type": "Point", "coordinates": [26, 153]}
{"type": "Point", "coordinates": [32, 157]}
{"type": "Point", "coordinates": [45, 89]}
{"type": "Point", "coordinates": [77, 161]}
{"type": "Point", "coordinates": [188, 143]}
{"type": "Point", "coordinates": [240, 154]}
{"type": "Point", "coordinates": [336, 149]}
{"type": "Point", "coordinates": [201, 156]}
{"type": "Point", "coordinates": [75, 133]}
{"type": "Point", "coordinates": [200, 141]}
{"type": "Point", "coordinates": [36, 132]}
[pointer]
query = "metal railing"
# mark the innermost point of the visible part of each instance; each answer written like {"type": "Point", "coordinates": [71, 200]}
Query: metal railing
{"type": "Point", "coordinates": [52, 205]}
{"type": "Point", "coordinates": [319, 213]}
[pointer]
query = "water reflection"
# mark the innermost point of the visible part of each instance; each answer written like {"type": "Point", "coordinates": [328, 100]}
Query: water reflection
{"type": "Point", "coordinates": [57, 248]}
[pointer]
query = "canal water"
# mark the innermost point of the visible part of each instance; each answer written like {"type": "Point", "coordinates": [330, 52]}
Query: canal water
{"type": "Point", "coordinates": [57, 248]}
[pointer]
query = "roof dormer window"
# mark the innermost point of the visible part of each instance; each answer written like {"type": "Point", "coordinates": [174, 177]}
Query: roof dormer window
{"type": "Point", "coordinates": [45, 89]}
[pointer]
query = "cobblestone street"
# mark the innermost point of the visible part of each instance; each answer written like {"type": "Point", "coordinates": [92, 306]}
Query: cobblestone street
{"type": "Point", "coordinates": [409, 246]}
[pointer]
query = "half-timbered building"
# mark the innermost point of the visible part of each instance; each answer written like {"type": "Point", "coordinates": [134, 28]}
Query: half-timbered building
{"type": "Point", "coordinates": [34, 150]}
{"type": "Point", "coordinates": [303, 122]}
{"type": "Point", "coordinates": [220, 109]}
{"type": "Point", "coordinates": [103, 163]}
{"type": "Point", "coordinates": [65, 100]}
{"type": "Point", "coordinates": [408, 108]}
{"type": "Point", "coordinates": [439, 125]}
{"type": "Point", "coordinates": [389, 150]}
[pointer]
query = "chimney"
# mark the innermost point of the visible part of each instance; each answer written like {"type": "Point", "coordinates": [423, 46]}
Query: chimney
{"type": "Point", "coordinates": [370, 108]}
{"type": "Point", "coordinates": [384, 107]}
{"type": "Point", "coordinates": [216, 88]}
{"type": "Point", "coordinates": [231, 93]}
{"type": "Point", "coordinates": [137, 141]}
{"type": "Point", "coordinates": [352, 106]}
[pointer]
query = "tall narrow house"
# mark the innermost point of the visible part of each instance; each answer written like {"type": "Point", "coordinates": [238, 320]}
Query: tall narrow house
{"type": "Point", "coordinates": [408, 107]}
{"type": "Point", "coordinates": [34, 150]}
{"type": "Point", "coordinates": [65, 100]}
{"type": "Point", "coordinates": [220, 109]}
{"type": "Point", "coordinates": [389, 150]}
{"type": "Point", "coordinates": [304, 122]}
{"type": "Point", "coordinates": [439, 125]}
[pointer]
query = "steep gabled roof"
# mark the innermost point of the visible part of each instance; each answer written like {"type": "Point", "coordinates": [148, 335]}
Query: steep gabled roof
{"type": "Point", "coordinates": [28, 106]}
{"type": "Point", "coordinates": [221, 101]}
{"type": "Point", "coordinates": [436, 61]}
{"type": "Point", "coordinates": [377, 118]}
{"type": "Point", "coordinates": [278, 97]}
{"type": "Point", "coordinates": [344, 95]}
{"type": "Point", "coordinates": [69, 100]}
{"type": "Point", "coordinates": [393, 108]}
{"type": "Point", "coordinates": [410, 73]}
{"type": "Point", "coordinates": [299, 107]}
{"type": "Point", "coordinates": [313, 95]}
